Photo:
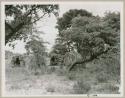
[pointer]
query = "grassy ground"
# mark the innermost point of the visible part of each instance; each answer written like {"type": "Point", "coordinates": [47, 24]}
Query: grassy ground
{"type": "Point", "coordinates": [20, 81]}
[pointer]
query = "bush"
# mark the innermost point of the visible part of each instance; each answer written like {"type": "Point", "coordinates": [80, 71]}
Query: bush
{"type": "Point", "coordinates": [50, 89]}
{"type": "Point", "coordinates": [51, 69]}
{"type": "Point", "coordinates": [71, 76]}
{"type": "Point", "coordinates": [33, 67]}
{"type": "Point", "coordinates": [61, 72]}
{"type": "Point", "coordinates": [108, 88]}
{"type": "Point", "coordinates": [81, 87]}
{"type": "Point", "coordinates": [106, 67]}
{"type": "Point", "coordinates": [111, 87]}
{"type": "Point", "coordinates": [102, 77]}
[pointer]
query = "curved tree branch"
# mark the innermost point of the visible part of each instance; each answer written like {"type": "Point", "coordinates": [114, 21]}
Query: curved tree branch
{"type": "Point", "coordinates": [87, 60]}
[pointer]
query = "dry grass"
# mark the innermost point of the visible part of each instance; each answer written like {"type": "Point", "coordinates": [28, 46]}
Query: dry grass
{"type": "Point", "coordinates": [82, 87]}
{"type": "Point", "coordinates": [56, 80]}
{"type": "Point", "coordinates": [20, 82]}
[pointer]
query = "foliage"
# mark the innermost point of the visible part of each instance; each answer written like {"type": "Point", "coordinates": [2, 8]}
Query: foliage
{"type": "Point", "coordinates": [71, 57]}
{"type": "Point", "coordinates": [57, 53]}
{"type": "Point", "coordinates": [107, 88]}
{"type": "Point", "coordinates": [20, 19]}
{"type": "Point", "coordinates": [90, 36]}
{"type": "Point", "coordinates": [8, 54]}
{"type": "Point", "coordinates": [64, 45]}
{"type": "Point", "coordinates": [50, 88]}
{"type": "Point", "coordinates": [102, 77]}
{"type": "Point", "coordinates": [84, 38]}
{"type": "Point", "coordinates": [82, 87]}
{"type": "Point", "coordinates": [111, 29]}
{"type": "Point", "coordinates": [35, 47]}
{"type": "Point", "coordinates": [71, 76]}
{"type": "Point", "coordinates": [65, 21]}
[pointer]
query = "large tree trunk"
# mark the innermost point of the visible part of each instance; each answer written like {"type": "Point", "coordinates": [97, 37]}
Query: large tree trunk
{"type": "Point", "coordinates": [87, 60]}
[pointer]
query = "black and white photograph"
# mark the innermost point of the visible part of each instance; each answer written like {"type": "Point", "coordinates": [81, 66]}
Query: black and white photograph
{"type": "Point", "coordinates": [62, 48]}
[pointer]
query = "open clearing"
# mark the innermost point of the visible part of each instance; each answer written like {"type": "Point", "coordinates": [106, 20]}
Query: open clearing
{"type": "Point", "coordinates": [26, 84]}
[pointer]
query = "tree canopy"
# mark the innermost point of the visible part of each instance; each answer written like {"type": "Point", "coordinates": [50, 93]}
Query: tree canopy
{"type": "Point", "coordinates": [20, 19]}
{"type": "Point", "coordinates": [65, 21]}
{"type": "Point", "coordinates": [90, 35]}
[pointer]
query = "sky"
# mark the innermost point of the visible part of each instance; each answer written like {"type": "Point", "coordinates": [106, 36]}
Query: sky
{"type": "Point", "coordinates": [48, 25]}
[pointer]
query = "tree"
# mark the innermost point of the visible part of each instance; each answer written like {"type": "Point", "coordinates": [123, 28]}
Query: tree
{"type": "Point", "coordinates": [63, 44]}
{"type": "Point", "coordinates": [83, 35]}
{"type": "Point", "coordinates": [65, 21]}
{"type": "Point", "coordinates": [20, 19]}
{"type": "Point", "coordinates": [91, 36]}
{"type": "Point", "coordinates": [35, 47]}
{"type": "Point", "coordinates": [111, 28]}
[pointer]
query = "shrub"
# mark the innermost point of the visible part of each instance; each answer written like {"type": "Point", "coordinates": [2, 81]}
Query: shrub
{"type": "Point", "coordinates": [81, 87]}
{"type": "Point", "coordinates": [71, 76]}
{"type": "Point", "coordinates": [50, 89]}
{"type": "Point", "coordinates": [111, 87]}
{"type": "Point", "coordinates": [61, 72]}
{"type": "Point", "coordinates": [51, 69]}
{"type": "Point", "coordinates": [108, 88]}
{"type": "Point", "coordinates": [102, 77]}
